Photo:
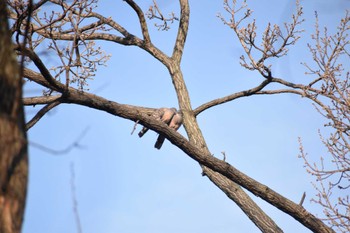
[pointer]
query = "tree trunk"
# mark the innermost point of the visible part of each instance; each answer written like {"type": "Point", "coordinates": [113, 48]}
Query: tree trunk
{"type": "Point", "coordinates": [13, 142]}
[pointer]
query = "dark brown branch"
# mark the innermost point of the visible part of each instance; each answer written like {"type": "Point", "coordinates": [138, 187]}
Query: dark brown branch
{"type": "Point", "coordinates": [142, 20]}
{"type": "Point", "coordinates": [231, 97]}
{"type": "Point", "coordinates": [298, 89]}
{"type": "Point", "coordinates": [84, 28]}
{"type": "Point", "coordinates": [303, 87]}
{"type": "Point", "coordinates": [41, 113]}
{"type": "Point", "coordinates": [129, 40]}
{"type": "Point", "coordinates": [55, 85]}
{"type": "Point", "coordinates": [292, 91]}
{"type": "Point", "coordinates": [40, 100]}
{"type": "Point", "coordinates": [36, 77]}
{"type": "Point", "coordinates": [111, 23]}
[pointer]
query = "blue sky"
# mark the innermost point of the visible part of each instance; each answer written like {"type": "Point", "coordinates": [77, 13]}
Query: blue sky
{"type": "Point", "coordinates": [125, 185]}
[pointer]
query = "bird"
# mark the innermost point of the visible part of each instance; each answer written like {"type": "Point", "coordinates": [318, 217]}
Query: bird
{"type": "Point", "coordinates": [175, 123]}
{"type": "Point", "coordinates": [163, 114]}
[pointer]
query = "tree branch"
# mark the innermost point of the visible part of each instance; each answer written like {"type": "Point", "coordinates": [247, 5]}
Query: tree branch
{"type": "Point", "coordinates": [231, 97]}
{"type": "Point", "coordinates": [182, 31]}
{"type": "Point", "coordinates": [55, 85]}
{"type": "Point", "coordinates": [241, 198]}
{"type": "Point", "coordinates": [40, 100]}
{"type": "Point", "coordinates": [142, 20]}
{"type": "Point", "coordinates": [41, 113]}
{"type": "Point", "coordinates": [155, 13]}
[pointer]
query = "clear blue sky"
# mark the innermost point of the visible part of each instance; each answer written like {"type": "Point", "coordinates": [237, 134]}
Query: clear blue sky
{"type": "Point", "coordinates": [124, 185]}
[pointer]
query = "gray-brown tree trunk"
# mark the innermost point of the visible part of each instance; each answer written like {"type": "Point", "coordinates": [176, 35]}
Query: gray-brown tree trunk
{"type": "Point", "coordinates": [13, 142]}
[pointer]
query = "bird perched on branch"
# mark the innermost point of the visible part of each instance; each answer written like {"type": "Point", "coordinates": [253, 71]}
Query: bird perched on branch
{"type": "Point", "coordinates": [175, 123]}
{"type": "Point", "coordinates": [162, 114]}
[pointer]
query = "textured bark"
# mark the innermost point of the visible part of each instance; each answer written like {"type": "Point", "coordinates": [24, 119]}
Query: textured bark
{"type": "Point", "coordinates": [231, 189]}
{"type": "Point", "coordinates": [13, 143]}
{"type": "Point", "coordinates": [247, 205]}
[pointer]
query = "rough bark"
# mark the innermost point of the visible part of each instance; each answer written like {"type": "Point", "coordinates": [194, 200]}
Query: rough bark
{"type": "Point", "coordinates": [231, 189]}
{"type": "Point", "coordinates": [13, 143]}
{"type": "Point", "coordinates": [241, 198]}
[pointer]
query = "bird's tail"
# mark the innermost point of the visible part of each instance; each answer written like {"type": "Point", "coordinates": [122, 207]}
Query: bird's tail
{"type": "Point", "coordinates": [143, 131]}
{"type": "Point", "coordinates": [159, 142]}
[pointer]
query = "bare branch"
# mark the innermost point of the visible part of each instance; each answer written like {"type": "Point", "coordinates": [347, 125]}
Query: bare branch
{"type": "Point", "coordinates": [40, 100]}
{"type": "Point", "coordinates": [302, 199]}
{"type": "Point", "coordinates": [182, 31]}
{"type": "Point", "coordinates": [41, 113]}
{"type": "Point", "coordinates": [332, 80]}
{"type": "Point", "coordinates": [274, 43]}
{"type": "Point", "coordinates": [231, 97]}
{"type": "Point", "coordinates": [155, 13]}
{"type": "Point", "coordinates": [57, 86]}
{"type": "Point", "coordinates": [142, 20]}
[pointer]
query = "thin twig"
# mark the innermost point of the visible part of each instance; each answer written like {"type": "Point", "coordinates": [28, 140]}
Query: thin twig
{"type": "Point", "coordinates": [41, 113]}
{"type": "Point", "coordinates": [302, 199]}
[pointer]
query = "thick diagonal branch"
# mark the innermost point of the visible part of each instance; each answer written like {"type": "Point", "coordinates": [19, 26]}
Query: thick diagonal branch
{"type": "Point", "coordinates": [241, 198]}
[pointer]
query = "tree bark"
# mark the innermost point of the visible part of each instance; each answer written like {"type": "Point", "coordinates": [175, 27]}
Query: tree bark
{"type": "Point", "coordinates": [13, 142]}
{"type": "Point", "coordinates": [231, 189]}
{"type": "Point", "coordinates": [241, 198]}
